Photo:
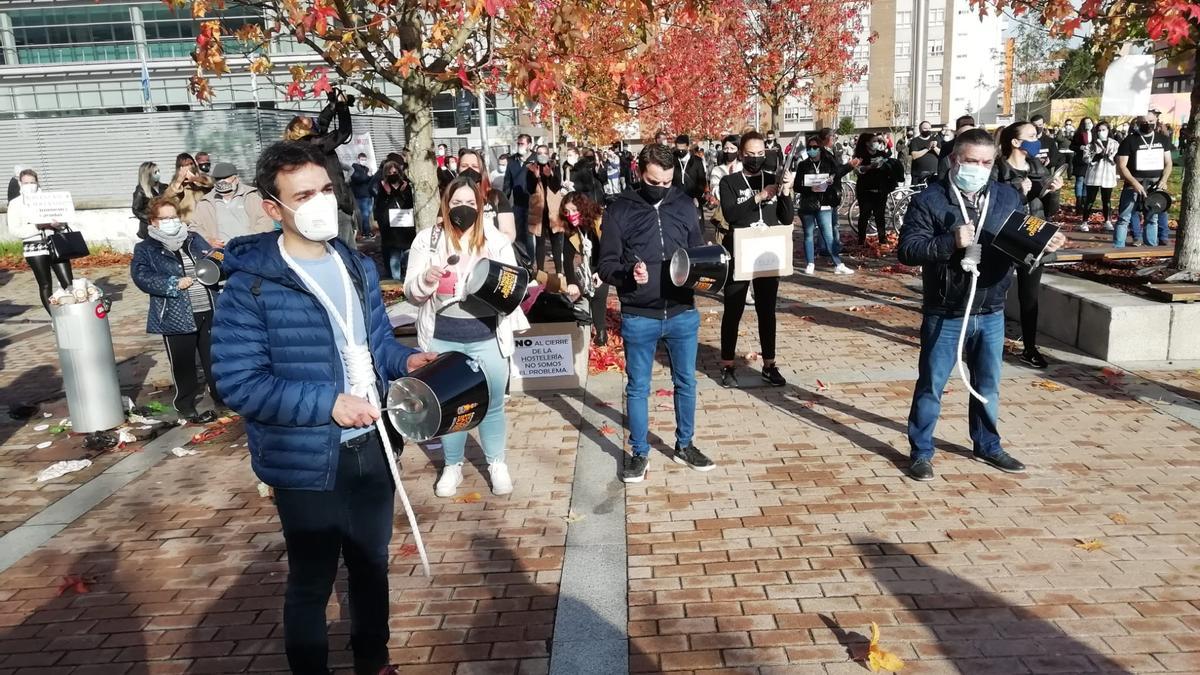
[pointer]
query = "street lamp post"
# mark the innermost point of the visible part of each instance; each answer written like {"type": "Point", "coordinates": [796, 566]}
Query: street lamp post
{"type": "Point", "coordinates": [920, 55]}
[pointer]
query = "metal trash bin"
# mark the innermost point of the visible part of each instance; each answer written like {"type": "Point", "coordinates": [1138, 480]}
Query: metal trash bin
{"type": "Point", "coordinates": [89, 367]}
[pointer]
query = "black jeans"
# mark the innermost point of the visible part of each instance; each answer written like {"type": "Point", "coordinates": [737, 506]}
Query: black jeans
{"type": "Point", "coordinates": [871, 205]}
{"type": "Point", "coordinates": [42, 268]}
{"type": "Point", "coordinates": [766, 290]}
{"type": "Point", "coordinates": [1105, 201]}
{"type": "Point", "coordinates": [354, 521]}
{"type": "Point", "coordinates": [1029, 282]}
{"type": "Point", "coordinates": [599, 306]}
{"type": "Point", "coordinates": [182, 350]}
{"type": "Point", "coordinates": [557, 242]}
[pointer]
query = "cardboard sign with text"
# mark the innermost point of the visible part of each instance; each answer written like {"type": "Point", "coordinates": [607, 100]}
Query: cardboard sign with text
{"type": "Point", "coordinates": [50, 207]}
{"type": "Point", "coordinates": [762, 252]}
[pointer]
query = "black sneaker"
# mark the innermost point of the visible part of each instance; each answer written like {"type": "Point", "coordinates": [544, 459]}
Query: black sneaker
{"type": "Point", "coordinates": [729, 377]}
{"type": "Point", "coordinates": [635, 468]}
{"type": "Point", "coordinates": [772, 376]}
{"type": "Point", "coordinates": [921, 469]}
{"type": "Point", "coordinates": [1034, 359]}
{"type": "Point", "coordinates": [1003, 461]}
{"type": "Point", "coordinates": [693, 458]}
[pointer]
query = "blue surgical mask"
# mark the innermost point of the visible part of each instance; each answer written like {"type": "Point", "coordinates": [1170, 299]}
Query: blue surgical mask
{"type": "Point", "coordinates": [814, 153]}
{"type": "Point", "coordinates": [1031, 148]}
{"type": "Point", "coordinates": [971, 178]}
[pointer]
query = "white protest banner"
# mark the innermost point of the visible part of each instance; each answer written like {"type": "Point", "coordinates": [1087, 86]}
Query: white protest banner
{"type": "Point", "coordinates": [358, 144]}
{"type": "Point", "coordinates": [50, 207]}
{"type": "Point", "coordinates": [543, 356]}
{"type": "Point", "coordinates": [1127, 86]}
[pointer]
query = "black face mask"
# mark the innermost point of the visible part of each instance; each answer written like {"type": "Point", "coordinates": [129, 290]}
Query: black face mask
{"type": "Point", "coordinates": [728, 157]}
{"type": "Point", "coordinates": [393, 179]}
{"type": "Point", "coordinates": [653, 194]}
{"type": "Point", "coordinates": [205, 167]}
{"type": "Point", "coordinates": [680, 153]}
{"type": "Point", "coordinates": [1145, 128]}
{"type": "Point", "coordinates": [470, 173]}
{"type": "Point", "coordinates": [754, 164]}
{"type": "Point", "coordinates": [463, 217]}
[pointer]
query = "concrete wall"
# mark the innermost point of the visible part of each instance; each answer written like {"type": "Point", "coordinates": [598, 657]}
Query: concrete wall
{"type": "Point", "coordinates": [114, 227]}
{"type": "Point", "coordinates": [1112, 325]}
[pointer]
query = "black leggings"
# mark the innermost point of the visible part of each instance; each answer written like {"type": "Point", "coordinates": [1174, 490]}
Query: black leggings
{"type": "Point", "coordinates": [599, 306]}
{"type": "Point", "coordinates": [182, 350]}
{"type": "Point", "coordinates": [42, 267]}
{"type": "Point", "coordinates": [871, 204]}
{"type": "Point", "coordinates": [557, 240]}
{"type": "Point", "coordinates": [1029, 282]}
{"type": "Point", "coordinates": [766, 290]}
{"type": "Point", "coordinates": [1105, 201]}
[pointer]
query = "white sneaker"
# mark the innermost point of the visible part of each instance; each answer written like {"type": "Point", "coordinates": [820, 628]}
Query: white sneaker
{"type": "Point", "coordinates": [810, 269]}
{"type": "Point", "coordinates": [501, 482]}
{"type": "Point", "coordinates": [1084, 228]}
{"type": "Point", "coordinates": [750, 296]}
{"type": "Point", "coordinates": [451, 478]}
{"type": "Point", "coordinates": [1108, 226]}
{"type": "Point", "coordinates": [842, 269]}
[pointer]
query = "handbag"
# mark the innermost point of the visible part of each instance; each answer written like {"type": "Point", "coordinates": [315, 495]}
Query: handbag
{"type": "Point", "coordinates": [67, 245]}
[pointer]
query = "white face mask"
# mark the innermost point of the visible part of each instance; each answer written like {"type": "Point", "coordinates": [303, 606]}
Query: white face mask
{"type": "Point", "coordinates": [571, 159]}
{"type": "Point", "coordinates": [170, 226]}
{"type": "Point", "coordinates": [317, 218]}
{"type": "Point", "coordinates": [1102, 134]}
{"type": "Point", "coordinates": [28, 189]}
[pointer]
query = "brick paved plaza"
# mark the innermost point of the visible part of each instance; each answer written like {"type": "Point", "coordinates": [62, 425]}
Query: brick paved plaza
{"type": "Point", "coordinates": [776, 562]}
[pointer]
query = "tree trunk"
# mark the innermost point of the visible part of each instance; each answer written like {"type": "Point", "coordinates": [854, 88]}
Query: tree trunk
{"type": "Point", "coordinates": [1187, 238]}
{"type": "Point", "coordinates": [422, 169]}
{"type": "Point", "coordinates": [775, 107]}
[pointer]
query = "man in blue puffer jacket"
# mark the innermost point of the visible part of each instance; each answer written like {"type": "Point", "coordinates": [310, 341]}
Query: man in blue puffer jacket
{"type": "Point", "coordinates": [935, 236]}
{"type": "Point", "coordinates": [296, 303]}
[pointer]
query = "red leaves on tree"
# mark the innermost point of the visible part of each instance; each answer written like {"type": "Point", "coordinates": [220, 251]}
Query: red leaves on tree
{"type": "Point", "coordinates": [295, 91]}
{"type": "Point", "coordinates": [73, 583]}
{"type": "Point", "coordinates": [321, 86]}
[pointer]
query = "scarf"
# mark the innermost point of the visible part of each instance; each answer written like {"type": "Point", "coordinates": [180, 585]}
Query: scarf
{"type": "Point", "coordinates": [171, 243]}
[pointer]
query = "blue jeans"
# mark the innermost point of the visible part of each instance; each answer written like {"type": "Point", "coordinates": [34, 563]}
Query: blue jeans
{"type": "Point", "coordinates": [352, 521]}
{"type": "Point", "coordinates": [641, 335]}
{"type": "Point", "coordinates": [825, 220]}
{"type": "Point", "coordinates": [493, 428]}
{"type": "Point", "coordinates": [983, 354]}
{"type": "Point", "coordinates": [397, 262]}
{"type": "Point", "coordinates": [1127, 217]}
{"type": "Point", "coordinates": [1080, 188]}
{"type": "Point", "coordinates": [365, 206]}
{"type": "Point", "coordinates": [1157, 233]}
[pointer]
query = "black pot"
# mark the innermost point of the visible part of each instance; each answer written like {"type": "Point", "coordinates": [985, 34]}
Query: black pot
{"type": "Point", "coordinates": [499, 286]}
{"type": "Point", "coordinates": [209, 270]}
{"type": "Point", "coordinates": [1024, 238]}
{"type": "Point", "coordinates": [1157, 202]}
{"type": "Point", "coordinates": [703, 268]}
{"type": "Point", "coordinates": [445, 396]}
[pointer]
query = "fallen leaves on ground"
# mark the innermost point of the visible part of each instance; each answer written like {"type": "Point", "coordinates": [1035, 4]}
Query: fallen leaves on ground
{"type": "Point", "coordinates": [1118, 518]}
{"type": "Point", "coordinates": [880, 659]}
{"type": "Point", "coordinates": [609, 357]}
{"type": "Point", "coordinates": [1089, 544]}
{"type": "Point", "coordinates": [1112, 376]}
{"type": "Point", "coordinates": [392, 295]}
{"type": "Point", "coordinates": [862, 308]}
{"type": "Point", "coordinates": [1048, 385]}
{"type": "Point", "coordinates": [74, 583]}
{"type": "Point", "coordinates": [752, 356]}
{"type": "Point", "coordinates": [573, 517]}
{"type": "Point", "coordinates": [664, 393]}
{"type": "Point", "coordinates": [901, 269]}
{"type": "Point", "coordinates": [408, 550]}
{"type": "Point", "coordinates": [470, 498]}
{"type": "Point", "coordinates": [264, 490]}
{"type": "Point", "coordinates": [808, 318]}
{"type": "Point", "coordinates": [821, 386]}
{"type": "Point", "coordinates": [607, 429]}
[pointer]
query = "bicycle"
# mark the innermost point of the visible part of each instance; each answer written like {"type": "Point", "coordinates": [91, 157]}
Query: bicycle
{"type": "Point", "coordinates": [897, 205]}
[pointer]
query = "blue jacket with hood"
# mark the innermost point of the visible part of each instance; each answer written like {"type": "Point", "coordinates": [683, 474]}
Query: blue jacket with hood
{"type": "Point", "coordinates": [275, 360]}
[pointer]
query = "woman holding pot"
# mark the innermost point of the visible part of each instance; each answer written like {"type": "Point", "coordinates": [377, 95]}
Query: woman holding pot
{"type": "Point", "coordinates": [181, 308]}
{"type": "Point", "coordinates": [34, 240]}
{"type": "Point", "coordinates": [441, 258]}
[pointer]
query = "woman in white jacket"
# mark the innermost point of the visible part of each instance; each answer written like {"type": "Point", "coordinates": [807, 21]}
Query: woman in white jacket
{"type": "Point", "coordinates": [33, 235]}
{"type": "Point", "coordinates": [439, 262]}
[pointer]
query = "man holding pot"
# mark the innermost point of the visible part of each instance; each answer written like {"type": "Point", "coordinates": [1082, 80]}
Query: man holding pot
{"type": "Point", "coordinates": [641, 230]}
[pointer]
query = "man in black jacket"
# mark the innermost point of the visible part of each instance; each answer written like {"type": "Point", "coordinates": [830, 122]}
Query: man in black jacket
{"type": "Point", "coordinates": [515, 188]}
{"type": "Point", "coordinates": [690, 174]}
{"type": "Point", "coordinates": [939, 226]}
{"type": "Point", "coordinates": [642, 229]}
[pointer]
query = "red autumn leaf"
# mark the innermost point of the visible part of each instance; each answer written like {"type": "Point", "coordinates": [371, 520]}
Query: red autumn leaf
{"type": "Point", "coordinates": [1112, 376]}
{"type": "Point", "coordinates": [321, 86]}
{"type": "Point", "coordinates": [821, 386]}
{"type": "Point", "coordinates": [295, 91]}
{"type": "Point", "coordinates": [607, 429]}
{"type": "Point", "coordinates": [470, 498]}
{"type": "Point", "coordinates": [463, 78]}
{"type": "Point", "coordinates": [408, 550]}
{"type": "Point", "coordinates": [74, 583]}
{"type": "Point", "coordinates": [664, 393]}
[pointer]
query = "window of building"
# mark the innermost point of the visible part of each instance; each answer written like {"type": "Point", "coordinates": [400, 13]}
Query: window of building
{"type": "Point", "coordinates": [937, 16]}
{"type": "Point", "coordinates": [902, 80]}
{"type": "Point", "coordinates": [903, 18]}
{"type": "Point", "coordinates": [791, 113]}
{"type": "Point", "coordinates": [73, 34]}
{"type": "Point", "coordinates": [172, 35]}
{"type": "Point", "coordinates": [934, 78]}
{"type": "Point", "coordinates": [936, 47]}
{"type": "Point", "coordinates": [903, 48]}
{"type": "Point", "coordinates": [933, 107]}
{"type": "Point", "coordinates": [501, 111]}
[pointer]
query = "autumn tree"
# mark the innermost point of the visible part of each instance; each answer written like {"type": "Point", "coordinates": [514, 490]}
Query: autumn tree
{"type": "Point", "coordinates": [798, 48]}
{"type": "Point", "coordinates": [570, 56]}
{"type": "Point", "coordinates": [1169, 29]}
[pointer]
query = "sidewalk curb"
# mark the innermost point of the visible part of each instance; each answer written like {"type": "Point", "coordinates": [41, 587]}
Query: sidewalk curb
{"type": "Point", "coordinates": [591, 626]}
{"type": "Point", "coordinates": [43, 525]}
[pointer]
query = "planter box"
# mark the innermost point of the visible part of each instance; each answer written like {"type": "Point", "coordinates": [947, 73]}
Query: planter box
{"type": "Point", "coordinates": [550, 356]}
{"type": "Point", "coordinates": [1112, 325]}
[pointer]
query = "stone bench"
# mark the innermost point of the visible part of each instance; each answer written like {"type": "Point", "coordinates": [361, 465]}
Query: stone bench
{"type": "Point", "coordinates": [1113, 325]}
